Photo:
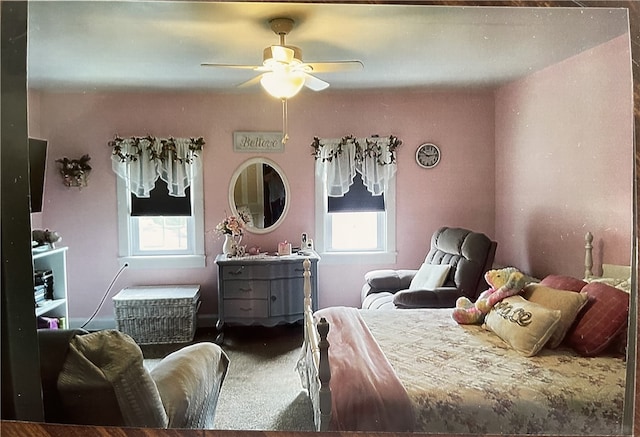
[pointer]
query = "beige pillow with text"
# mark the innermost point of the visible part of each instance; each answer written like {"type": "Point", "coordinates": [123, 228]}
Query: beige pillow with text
{"type": "Point", "coordinates": [569, 303]}
{"type": "Point", "coordinates": [523, 325]}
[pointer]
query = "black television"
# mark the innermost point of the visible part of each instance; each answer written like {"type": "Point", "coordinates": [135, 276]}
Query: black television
{"type": "Point", "coordinates": [37, 169]}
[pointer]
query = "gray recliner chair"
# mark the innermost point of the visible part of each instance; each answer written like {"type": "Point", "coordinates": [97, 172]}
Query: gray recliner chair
{"type": "Point", "coordinates": [470, 255]}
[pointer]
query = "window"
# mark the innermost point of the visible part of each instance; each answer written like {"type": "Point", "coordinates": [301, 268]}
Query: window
{"type": "Point", "coordinates": [160, 224]}
{"type": "Point", "coordinates": [159, 234]}
{"type": "Point", "coordinates": [355, 236]}
{"type": "Point", "coordinates": [356, 226]}
{"type": "Point", "coordinates": [161, 241]}
{"type": "Point", "coordinates": [355, 231]}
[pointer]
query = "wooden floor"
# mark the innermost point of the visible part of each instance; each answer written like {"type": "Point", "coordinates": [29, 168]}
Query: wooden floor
{"type": "Point", "coordinates": [29, 429]}
{"type": "Point", "coordinates": [25, 429]}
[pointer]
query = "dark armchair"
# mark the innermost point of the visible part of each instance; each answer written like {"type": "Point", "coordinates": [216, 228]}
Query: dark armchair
{"type": "Point", "coordinates": [99, 379]}
{"type": "Point", "coordinates": [470, 254]}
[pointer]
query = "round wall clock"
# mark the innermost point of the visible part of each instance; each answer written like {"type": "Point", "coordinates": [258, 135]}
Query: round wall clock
{"type": "Point", "coordinates": [428, 155]}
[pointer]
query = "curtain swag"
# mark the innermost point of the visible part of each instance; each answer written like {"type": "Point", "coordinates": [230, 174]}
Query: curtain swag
{"type": "Point", "coordinates": [142, 160]}
{"type": "Point", "coordinates": [382, 149]}
{"type": "Point", "coordinates": [338, 160]}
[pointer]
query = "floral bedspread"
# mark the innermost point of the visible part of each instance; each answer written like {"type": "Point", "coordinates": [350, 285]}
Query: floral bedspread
{"type": "Point", "coordinates": [464, 379]}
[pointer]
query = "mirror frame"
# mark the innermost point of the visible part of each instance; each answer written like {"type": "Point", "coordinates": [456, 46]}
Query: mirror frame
{"type": "Point", "coordinates": [287, 191]}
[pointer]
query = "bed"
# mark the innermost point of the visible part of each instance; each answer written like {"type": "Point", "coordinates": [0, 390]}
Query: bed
{"type": "Point", "coordinates": [418, 370]}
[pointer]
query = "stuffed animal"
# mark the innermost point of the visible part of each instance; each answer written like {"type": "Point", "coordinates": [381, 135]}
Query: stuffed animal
{"type": "Point", "coordinates": [466, 313]}
{"type": "Point", "coordinates": [45, 236]}
{"type": "Point", "coordinates": [503, 283]}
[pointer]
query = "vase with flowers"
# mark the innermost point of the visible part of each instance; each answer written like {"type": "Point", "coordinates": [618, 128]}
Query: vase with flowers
{"type": "Point", "coordinates": [232, 228]}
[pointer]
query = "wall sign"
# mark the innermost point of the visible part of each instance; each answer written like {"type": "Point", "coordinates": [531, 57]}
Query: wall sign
{"type": "Point", "coordinates": [257, 142]}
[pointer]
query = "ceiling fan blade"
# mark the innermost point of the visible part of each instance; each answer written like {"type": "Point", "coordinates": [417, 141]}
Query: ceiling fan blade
{"type": "Point", "coordinates": [329, 67]}
{"type": "Point", "coordinates": [314, 83]}
{"type": "Point", "coordinates": [253, 81]}
{"type": "Point", "coordinates": [243, 67]}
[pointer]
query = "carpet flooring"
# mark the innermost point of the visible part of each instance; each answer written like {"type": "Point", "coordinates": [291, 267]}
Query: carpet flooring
{"type": "Point", "coordinates": [262, 390]}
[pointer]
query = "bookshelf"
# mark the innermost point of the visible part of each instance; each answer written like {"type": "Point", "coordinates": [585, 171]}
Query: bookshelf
{"type": "Point", "coordinates": [56, 261]}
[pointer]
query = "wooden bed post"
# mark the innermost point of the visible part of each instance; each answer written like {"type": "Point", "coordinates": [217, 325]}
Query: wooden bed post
{"type": "Point", "coordinates": [306, 264]}
{"type": "Point", "coordinates": [324, 374]}
{"type": "Point", "coordinates": [317, 345]}
{"type": "Point", "coordinates": [588, 256]}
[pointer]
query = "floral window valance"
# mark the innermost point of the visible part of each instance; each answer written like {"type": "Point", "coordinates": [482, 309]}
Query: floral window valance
{"type": "Point", "coordinates": [338, 160]}
{"type": "Point", "coordinates": [142, 160]}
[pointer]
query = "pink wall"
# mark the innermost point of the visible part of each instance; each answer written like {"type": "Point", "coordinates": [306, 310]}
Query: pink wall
{"type": "Point", "coordinates": [534, 165]}
{"type": "Point", "coordinates": [458, 192]}
{"type": "Point", "coordinates": [564, 162]}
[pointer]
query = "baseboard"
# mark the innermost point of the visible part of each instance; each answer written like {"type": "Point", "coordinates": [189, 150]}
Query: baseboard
{"type": "Point", "coordinates": [96, 324]}
{"type": "Point", "coordinates": [100, 323]}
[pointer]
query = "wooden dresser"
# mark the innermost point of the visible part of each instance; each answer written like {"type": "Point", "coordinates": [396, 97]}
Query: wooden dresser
{"type": "Point", "coordinates": [263, 290]}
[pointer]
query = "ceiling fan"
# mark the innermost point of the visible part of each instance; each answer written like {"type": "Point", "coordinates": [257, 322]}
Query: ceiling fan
{"type": "Point", "coordinates": [283, 73]}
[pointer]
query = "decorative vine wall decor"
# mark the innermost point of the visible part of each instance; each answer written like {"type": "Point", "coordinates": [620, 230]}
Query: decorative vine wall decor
{"type": "Point", "coordinates": [384, 153]}
{"type": "Point", "coordinates": [75, 171]}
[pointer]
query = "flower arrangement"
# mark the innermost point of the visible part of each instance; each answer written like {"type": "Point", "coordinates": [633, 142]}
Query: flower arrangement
{"type": "Point", "coordinates": [232, 225]}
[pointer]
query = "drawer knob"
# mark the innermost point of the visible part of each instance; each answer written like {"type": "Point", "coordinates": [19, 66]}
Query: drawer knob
{"type": "Point", "coordinates": [246, 290]}
{"type": "Point", "coordinates": [273, 298]}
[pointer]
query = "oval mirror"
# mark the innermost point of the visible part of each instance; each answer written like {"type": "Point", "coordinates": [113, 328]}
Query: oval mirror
{"type": "Point", "coordinates": [260, 192]}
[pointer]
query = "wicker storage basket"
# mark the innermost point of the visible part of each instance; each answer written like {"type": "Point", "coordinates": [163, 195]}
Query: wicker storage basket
{"type": "Point", "coordinates": [157, 314]}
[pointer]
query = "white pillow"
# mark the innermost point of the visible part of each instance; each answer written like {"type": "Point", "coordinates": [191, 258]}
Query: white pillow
{"type": "Point", "coordinates": [622, 284]}
{"type": "Point", "coordinates": [430, 276]}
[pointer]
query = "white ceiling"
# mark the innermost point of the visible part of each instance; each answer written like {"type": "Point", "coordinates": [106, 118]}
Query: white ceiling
{"type": "Point", "coordinates": [131, 45]}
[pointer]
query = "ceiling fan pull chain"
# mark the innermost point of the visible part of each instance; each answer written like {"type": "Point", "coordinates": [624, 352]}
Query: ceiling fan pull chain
{"type": "Point", "coordinates": [285, 127]}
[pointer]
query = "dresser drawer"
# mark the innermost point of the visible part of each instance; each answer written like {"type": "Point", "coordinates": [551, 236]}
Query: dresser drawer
{"type": "Point", "coordinates": [287, 270]}
{"type": "Point", "coordinates": [246, 272]}
{"type": "Point", "coordinates": [246, 308]}
{"type": "Point", "coordinates": [249, 289]}
{"type": "Point", "coordinates": [265, 271]}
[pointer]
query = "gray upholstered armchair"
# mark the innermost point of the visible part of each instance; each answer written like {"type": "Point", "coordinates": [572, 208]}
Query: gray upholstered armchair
{"type": "Point", "coordinates": [99, 379]}
{"type": "Point", "coordinates": [469, 255]}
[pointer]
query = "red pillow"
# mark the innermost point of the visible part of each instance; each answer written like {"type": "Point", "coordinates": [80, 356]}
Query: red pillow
{"type": "Point", "coordinates": [601, 320]}
{"type": "Point", "coordinates": [560, 282]}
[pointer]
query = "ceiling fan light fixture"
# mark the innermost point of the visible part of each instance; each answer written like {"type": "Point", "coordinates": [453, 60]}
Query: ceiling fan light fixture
{"type": "Point", "coordinates": [281, 84]}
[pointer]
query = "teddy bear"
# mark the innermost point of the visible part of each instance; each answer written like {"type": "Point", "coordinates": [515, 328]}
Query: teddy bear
{"type": "Point", "coordinates": [503, 283]}
{"type": "Point", "coordinates": [45, 236]}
